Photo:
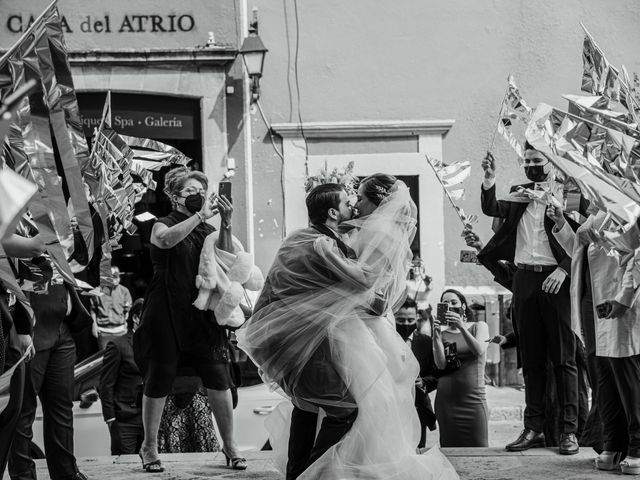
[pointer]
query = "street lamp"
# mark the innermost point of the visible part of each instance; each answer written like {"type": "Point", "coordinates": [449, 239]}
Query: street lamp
{"type": "Point", "coordinates": [253, 52]}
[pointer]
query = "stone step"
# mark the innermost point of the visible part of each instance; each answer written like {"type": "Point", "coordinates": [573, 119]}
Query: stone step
{"type": "Point", "coordinates": [470, 463]}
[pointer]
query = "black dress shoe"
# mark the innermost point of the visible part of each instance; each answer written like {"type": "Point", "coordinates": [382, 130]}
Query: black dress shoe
{"type": "Point", "coordinates": [527, 439]}
{"type": "Point", "coordinates": [568, 444]}
{"type": "Point", "coordinates": [77, 476]}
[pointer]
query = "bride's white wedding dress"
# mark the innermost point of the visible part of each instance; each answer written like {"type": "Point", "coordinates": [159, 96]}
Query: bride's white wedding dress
{"type": "Point", "coordinates": [376, 365]}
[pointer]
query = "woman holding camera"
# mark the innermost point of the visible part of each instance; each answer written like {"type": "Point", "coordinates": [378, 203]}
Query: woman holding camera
{"type": "Point", "coordinates": [460, 351]}
{"type": "Point", "coordinates": [173, 333]}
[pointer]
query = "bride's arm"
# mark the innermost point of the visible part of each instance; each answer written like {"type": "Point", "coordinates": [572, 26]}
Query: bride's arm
{"type": "Point", "coordinates": [347, 270]}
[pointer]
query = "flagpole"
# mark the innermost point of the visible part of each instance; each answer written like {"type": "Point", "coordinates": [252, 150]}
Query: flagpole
{"type": "Point", "coordinates": [455, 207]}
{"type": "Point", "coordinates": [28, 32]}
{"type": "Point", "coordinates": [495, 130]}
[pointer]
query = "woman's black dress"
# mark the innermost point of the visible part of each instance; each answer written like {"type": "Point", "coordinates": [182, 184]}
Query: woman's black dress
{"type": "Point", "coordinates": [173, 332]}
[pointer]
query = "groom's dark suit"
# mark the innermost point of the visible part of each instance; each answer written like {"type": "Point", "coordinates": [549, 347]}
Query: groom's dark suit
{"type": "Point", "coordinates": [542, 320]}
{"type": "Point", "coordinates": [320, 377]}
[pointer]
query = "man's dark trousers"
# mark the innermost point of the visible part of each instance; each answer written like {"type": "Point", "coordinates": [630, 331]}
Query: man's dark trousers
{"type": "Point", "coordinates": [304, 447]}
{"type": "Point", "coordinates": [619, 403]}
{"type": "Point", "coordinates": [49, 376]}
{"type": "Point", "coordinates": [544, 331]}
{"type": "Point", "coordinates": [318, 380]}
{"type": "Point", "coordinates": [126, 436]}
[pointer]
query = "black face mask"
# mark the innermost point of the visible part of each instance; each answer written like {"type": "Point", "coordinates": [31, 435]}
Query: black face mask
{"type": "Point", "coordinates": [536, 173]}
{"type": "Point", "coordinates": [405, 331]}
{"type": "Point", "coordinates": [193, 203]}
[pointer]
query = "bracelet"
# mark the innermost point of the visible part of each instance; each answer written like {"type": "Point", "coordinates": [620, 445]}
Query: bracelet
{"type": "Point", "coordinates": [226, 227]}
{"type": "Point", "coordinates": [201, 217]}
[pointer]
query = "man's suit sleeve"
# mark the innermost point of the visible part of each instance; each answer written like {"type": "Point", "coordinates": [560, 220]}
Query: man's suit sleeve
{"type": "Point", "coordinates": [502, 271]}
{"type": "Point", "coordinates": [421, 347]}
{"type": "Point", "coordinates": [490, 205]}
{"type": "Point", "coordinates": [108, 379]}
{"type": "Point", "coordinates": [511, 342]}
{"type": "Point", "coordinates": [23, 320]}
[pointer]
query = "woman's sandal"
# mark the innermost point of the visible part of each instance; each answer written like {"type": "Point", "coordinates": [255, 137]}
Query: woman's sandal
{"type": "Point", "coordinates": [630, 466]}
{"type": "Point", "coordinates": [151, 467]}
{"type": "Point", "coordinates": [237, 463]}
{"type": "Point", "coordinates": [608, 460]}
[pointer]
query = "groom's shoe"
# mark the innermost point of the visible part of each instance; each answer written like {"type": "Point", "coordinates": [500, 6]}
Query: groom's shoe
{"type": "Point", "coordinates": [527, 439]}
{"type": "Point", "coordinates": [568, 444]}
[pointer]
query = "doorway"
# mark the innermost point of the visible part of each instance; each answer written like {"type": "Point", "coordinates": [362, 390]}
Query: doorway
{"type": "Point", "coordinates": [171, 120]}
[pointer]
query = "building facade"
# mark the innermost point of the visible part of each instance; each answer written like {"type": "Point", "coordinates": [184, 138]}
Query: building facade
{"type": "Point", "coordinates": [378, 83]}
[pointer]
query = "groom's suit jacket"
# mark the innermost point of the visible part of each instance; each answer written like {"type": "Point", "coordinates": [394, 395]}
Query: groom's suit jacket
{"type": "Point", "coordinates": [319, 378]}
{"type": "Point", "coordinates": [306, 252]}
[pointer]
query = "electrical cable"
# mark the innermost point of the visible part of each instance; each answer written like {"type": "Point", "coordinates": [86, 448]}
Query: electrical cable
{"type": "Point", "coordinates": [264, 119]}
{"type": "Point", "coordinates": [295, 70]}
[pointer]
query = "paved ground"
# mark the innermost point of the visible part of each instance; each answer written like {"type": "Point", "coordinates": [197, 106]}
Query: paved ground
{"type": "Point", "coordinates": [471, 464]}
{"type": "Point", "coordinates": [493, 463]}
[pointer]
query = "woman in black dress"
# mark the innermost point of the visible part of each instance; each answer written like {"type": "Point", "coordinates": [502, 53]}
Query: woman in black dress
{"type": "Point", "coordinates": [173, 332]}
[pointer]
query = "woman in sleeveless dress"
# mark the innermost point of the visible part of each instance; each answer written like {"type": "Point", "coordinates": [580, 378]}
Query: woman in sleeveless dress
{"type": "Point", "coordinates": [460, 350]}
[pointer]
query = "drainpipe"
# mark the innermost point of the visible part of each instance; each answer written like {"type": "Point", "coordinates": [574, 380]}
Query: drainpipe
{"type": "Point", "coordinates": [248, 150]}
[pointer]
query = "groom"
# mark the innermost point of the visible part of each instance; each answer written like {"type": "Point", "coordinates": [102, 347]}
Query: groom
{"type": "Point", "coordinates": [327, 207]}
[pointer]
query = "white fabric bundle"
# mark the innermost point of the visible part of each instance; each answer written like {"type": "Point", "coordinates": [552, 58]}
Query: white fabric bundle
{"type": "Point", "coordinates": [222, 278]}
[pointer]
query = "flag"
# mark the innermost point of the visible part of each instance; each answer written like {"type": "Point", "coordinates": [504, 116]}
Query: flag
{"type": "Point", "coordinates": [455, 174]}
{"type": "Point", "coordinates": [514, 109]}
{"type": "Point", "coordinates": [600, 77]}
{"type": "Point", "coordinates": [151, 155]}
{"type": "Point", "coordinates": [15, 193]}
{"type": "Point", "coordinates": [29, 149]}
{"type": "Point", "coordinates": [599, 109]}
{"type": "Point", "coordinates": [565, 139]}
{"type": "Point", "coordinates": [66, 125]}
{"type": "Point", "coordinates": [451, 176]}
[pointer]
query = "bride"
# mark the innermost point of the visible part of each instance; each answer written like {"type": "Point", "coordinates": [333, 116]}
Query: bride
{"type": "Point", "coordinates": [375, 365]}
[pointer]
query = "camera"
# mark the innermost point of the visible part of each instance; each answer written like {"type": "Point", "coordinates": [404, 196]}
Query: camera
{"type": "Point", "coordinates": [468, 256]}
{"type": "Point", "coordinates": [224, 189]}
{"type": "Point", "coordinates": [443, 308]}
{"type": "Point", "coordinates": [604, 309]}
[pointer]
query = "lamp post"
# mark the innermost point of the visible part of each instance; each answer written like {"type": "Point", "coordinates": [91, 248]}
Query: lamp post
{"type": "Point", "coordinates": [253, 52]}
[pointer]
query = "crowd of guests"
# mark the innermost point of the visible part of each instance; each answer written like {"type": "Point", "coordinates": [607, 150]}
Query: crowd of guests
{"type": "Point", "coordinates": [576, 327]}
{"type": "Point", "coordinates": [167, 365]}
{"type": "Point", "coordinates": [158, 351]}
{"type": "Point", "coordinates": [569, 292]}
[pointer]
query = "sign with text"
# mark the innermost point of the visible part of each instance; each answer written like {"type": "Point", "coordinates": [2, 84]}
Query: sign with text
{"type": "Point", "coordinates": [125, 24]}
{"type": "Point", "coordinates": [140, 115]}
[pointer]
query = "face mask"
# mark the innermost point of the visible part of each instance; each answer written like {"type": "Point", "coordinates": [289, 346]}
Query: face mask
{"type": "Point", "coordinates": [405, 330]}
{"type": "Point", "coordinates": [457, 310]}
{"type": "Point", "coordinates": [193, 203]}
{"type": "Point", "coordinates": [536, 173]}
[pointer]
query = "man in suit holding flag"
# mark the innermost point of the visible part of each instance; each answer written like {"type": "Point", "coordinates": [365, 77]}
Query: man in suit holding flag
{"type": "Point", "coordinates": [541, 302]}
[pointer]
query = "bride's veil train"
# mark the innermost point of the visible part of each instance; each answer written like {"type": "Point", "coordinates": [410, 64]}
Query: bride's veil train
{"type": "Point", "coordinates": [377, 367]}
